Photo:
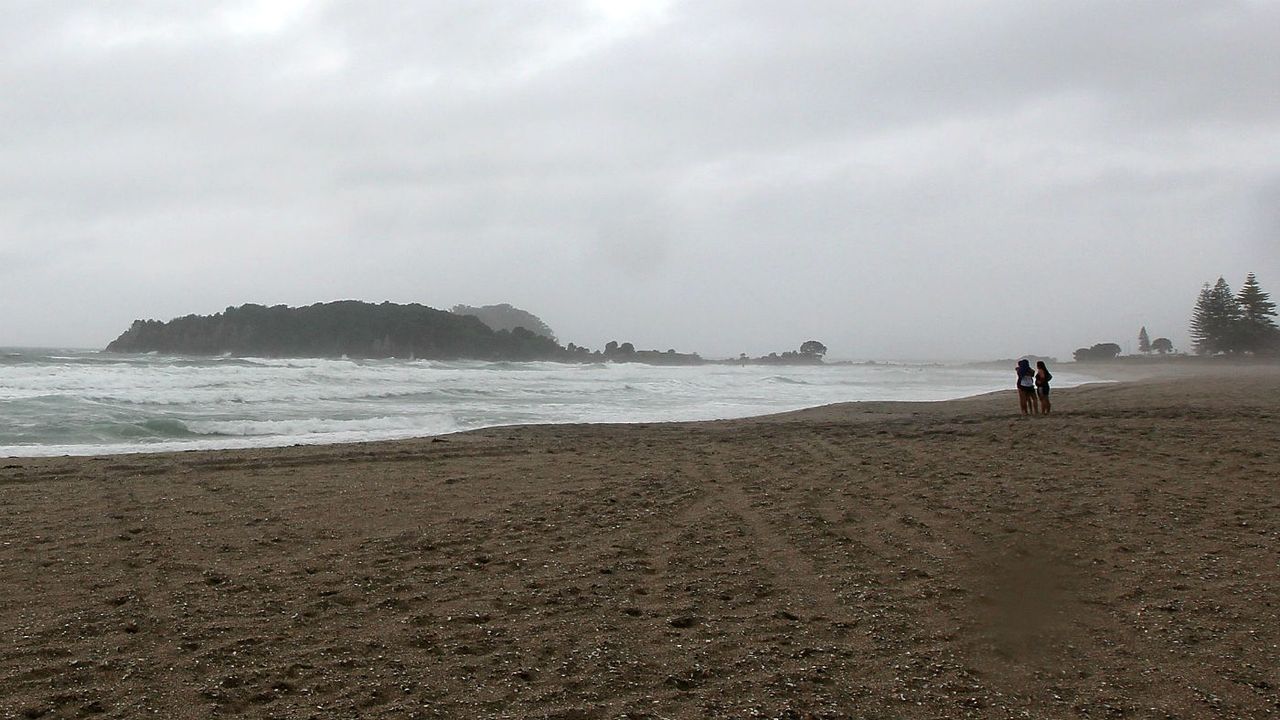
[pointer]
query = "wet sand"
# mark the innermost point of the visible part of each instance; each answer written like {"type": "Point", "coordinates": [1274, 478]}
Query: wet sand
{"type": "Point", "coordinates": [1119, 558]}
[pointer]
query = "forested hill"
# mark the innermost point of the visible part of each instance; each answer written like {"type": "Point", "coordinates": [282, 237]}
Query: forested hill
{"type": "Point", "coordinates": [506, 317]}
{"type": "Point", "coordinates": [348, 327]}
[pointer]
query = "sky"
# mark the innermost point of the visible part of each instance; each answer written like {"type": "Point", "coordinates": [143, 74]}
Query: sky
{"type": "Point", "coordinates": [925, 180]}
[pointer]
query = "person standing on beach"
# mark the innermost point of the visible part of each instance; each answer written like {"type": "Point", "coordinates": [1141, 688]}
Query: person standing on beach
{"type": "Point", "coordinates": [1043, 376]}
{"type": "Point", "coordinates": [1027, 388]}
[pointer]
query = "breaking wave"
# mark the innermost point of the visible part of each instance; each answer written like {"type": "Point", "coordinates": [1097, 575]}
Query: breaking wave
{"type": "Point", "coordinates": [85, 402]}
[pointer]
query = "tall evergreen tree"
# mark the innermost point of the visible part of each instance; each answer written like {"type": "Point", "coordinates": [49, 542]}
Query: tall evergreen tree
{"type": "Point", "coordinates": [1215, 321]}
{"type": "Point", "coordinates": [1227, 316]}
{"type": "Point", "coordinates": [1258, 331]}
{"type": "Point", "coordinates": [1202, 337]}
{"type": "Point", "coordinates": [1144, 340]}
{"type": "Point", "coordinates": [1256, 305]}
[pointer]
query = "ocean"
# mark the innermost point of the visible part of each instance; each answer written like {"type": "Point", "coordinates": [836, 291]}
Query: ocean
{"type": "Point", "coordinates": [85, 402]}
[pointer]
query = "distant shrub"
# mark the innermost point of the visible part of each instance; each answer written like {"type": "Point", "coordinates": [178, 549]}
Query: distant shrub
{"type": "Point", "coordinates": [1101, 351]}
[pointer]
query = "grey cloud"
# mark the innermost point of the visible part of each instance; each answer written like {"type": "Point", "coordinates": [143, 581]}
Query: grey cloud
{"type": "Point", "coordinates": [897, 179]}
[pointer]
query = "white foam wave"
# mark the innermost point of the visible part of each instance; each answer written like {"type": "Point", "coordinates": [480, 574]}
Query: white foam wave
{"type": "Point", "coordinates": [228, 402]}
{"type": "Point", "coordinates": [301, 427]}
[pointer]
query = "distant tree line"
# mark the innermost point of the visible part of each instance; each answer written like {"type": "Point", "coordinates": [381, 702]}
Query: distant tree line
{"type": "Point", "coordinates": [1100, 351]}
{"type": "Point", "coordinates": [1234, 323]}
{"type": "Point", "coordinates": [1110, 350]}
{"type": "Point", "coordinates": [1222, 323]}
{"type": "Point", "coordinates": [811, 352]}
{"type": "Point", "coordinates": [1146, 345]}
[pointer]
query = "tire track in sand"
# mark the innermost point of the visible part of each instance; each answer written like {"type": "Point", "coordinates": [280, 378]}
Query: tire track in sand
{"type": "Point", "coordinates": [740, 606]}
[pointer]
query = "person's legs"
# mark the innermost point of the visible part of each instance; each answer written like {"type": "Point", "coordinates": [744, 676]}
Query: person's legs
{"type": "Point", "coordinates": [1043, 393]}
{"type": "Point", "coordinates": [1024, 401]}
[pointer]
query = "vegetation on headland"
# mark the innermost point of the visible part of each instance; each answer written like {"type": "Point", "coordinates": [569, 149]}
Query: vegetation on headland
{"type": "Point", "coordinates": [1222, 323]}
{"type": "Point", "coordinates": [506, 317]}
{"type": "Point", "coordinates": [350, 328]}
{"type": "Point", "coordinates": [811, 352]}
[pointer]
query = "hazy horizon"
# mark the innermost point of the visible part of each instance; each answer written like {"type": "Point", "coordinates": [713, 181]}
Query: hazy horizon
{"type": "Point", "coordinates": [918, 180]}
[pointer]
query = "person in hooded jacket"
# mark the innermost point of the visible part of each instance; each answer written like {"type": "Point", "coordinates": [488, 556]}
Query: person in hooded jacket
{"type": "Point", "coordinates": [1027, 388]}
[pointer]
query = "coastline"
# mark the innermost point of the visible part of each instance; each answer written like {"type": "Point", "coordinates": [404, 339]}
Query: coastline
{"type": "Point", "coordinates": [101, 407]}
{"type": "Point", "coordinates": [899, 559]}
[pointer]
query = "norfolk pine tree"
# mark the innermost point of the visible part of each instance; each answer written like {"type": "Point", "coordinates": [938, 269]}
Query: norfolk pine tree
{"type": "Point", "coordinates": [1215, 322]}
{"type": "Point", "coordinates": [1144, 340]}
{"type": "Point", "coordinates": [1257, 328]}
{"type": "Point", "coordinates": [1203, 338]}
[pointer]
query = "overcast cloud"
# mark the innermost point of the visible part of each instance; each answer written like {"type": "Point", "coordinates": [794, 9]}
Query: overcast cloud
{"type": "Point", "coordinates": [910, 180]}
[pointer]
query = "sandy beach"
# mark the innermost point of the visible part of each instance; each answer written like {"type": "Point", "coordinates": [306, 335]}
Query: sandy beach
{"type": "Point", "coordinates": [1118, 558]}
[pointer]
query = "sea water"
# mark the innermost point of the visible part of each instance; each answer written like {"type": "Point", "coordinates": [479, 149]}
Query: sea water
{"type": "Point", "coordinates": [80, 402]}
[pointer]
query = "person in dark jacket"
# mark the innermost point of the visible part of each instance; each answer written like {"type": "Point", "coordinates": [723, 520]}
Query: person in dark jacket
{"type": "Point", "coordinates": [1043, 376]}
{"type": "Point", "coordinates": [1027, 388]}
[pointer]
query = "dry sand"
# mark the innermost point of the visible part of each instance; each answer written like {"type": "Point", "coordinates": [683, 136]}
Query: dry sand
{"type": "Point", "coordinates": [1120, 558]}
